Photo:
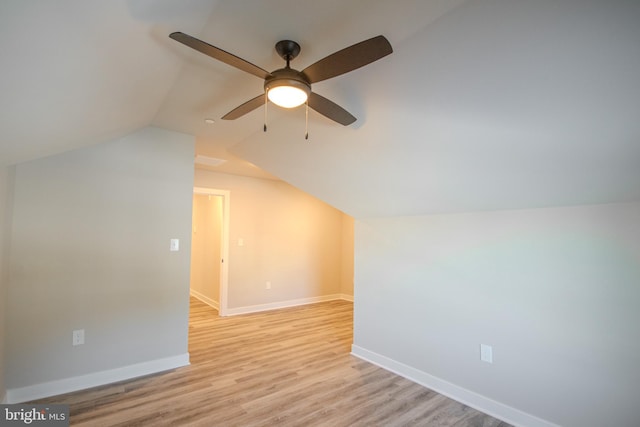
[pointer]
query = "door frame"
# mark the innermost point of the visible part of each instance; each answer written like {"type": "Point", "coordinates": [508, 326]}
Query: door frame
{"type": "Point", "coordinates": [224, 244]}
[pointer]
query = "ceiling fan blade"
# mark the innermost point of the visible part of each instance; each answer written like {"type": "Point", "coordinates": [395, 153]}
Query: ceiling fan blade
{"type": "Point", "coordinates": [219, 54]}
{"type": "Point", "coordinates": [330, 109]}
{"type": "Point", "coordinates": [348, 59]}
{"type": "Point", "coordinates": [245, 108]}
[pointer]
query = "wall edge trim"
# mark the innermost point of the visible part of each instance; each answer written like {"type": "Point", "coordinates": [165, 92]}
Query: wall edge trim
{"type": "Point", "coordinates": [470, 398]}
{"type": "Point", "coordinates": [282, 304]}
{"type": "Point", "coordinates": [205, 299]}
{"type": "Point", "coordinates": [346, 297]}
{"type": "Point", "coordinates": [95, 379]}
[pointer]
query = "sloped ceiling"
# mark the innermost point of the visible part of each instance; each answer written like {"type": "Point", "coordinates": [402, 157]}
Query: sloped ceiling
{"type": "Point", "coordinates": [76, 73]}
{"type": "Point", "coordinates": [484, 104]}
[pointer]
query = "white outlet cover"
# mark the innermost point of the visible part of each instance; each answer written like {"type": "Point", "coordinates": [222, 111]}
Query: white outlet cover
{"type": "Point", "coordinates": [78, 337]}
{"type": "Point", "coordinates": [486, 353]}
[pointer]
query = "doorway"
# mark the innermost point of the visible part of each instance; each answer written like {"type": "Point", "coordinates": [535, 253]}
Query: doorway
{"type": "Point", "coordinates": [209, 247]}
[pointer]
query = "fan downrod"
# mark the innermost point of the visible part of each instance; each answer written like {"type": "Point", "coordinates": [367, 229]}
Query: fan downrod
{"type": "Point", "coordinates": [287, 49]}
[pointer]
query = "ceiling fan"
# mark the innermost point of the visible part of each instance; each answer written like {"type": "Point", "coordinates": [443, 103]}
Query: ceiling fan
{"type": "Point", "coordinates": [290, 88]}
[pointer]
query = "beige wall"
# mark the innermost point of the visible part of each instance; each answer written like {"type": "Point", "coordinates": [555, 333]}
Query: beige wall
{"type": "Point", "coordinates": [206, 238]}
{"type": "Point", "coordinates": [289, 238]}
{"type": "Point", "coordinates": [346, 283]}
{"type": "Point", "coordinates": [6, 189]}
{"type": "Point", "coordinates": [90, 250]}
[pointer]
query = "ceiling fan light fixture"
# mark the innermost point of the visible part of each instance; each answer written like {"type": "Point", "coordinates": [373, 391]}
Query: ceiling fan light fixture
{"type": "Point", "coordinates": [287, 96]}
{"type": "Point", "coordinates": [289, 88]}
{"type": "Point", "coordinates": [287, 93]}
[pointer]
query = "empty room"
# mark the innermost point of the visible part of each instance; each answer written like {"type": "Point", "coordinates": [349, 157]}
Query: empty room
{"type": "Point", "coordinates": [321, 213]}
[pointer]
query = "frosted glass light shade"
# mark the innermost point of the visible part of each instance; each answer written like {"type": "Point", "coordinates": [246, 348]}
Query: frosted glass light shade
{"type": "Point", "coordinates": [287, 96]}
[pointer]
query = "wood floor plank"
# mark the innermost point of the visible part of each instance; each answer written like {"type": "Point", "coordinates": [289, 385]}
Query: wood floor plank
{"type": "Point", "coordinates": [289, 367]}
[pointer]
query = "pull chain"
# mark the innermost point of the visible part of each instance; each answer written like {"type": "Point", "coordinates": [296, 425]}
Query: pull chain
{"type": "Point", "coordinates": [306, 121]}
{"type": "Point", "coordinates": [266, 103]}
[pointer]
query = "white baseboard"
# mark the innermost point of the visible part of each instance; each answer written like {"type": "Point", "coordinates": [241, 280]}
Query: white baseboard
{"type": "Point", "coordinates": [346, 297]}
{"type": "Point", "coordinates": [488, 406]}
{"type": "Point", "coordinates": [281, 304]}
{"type": "Point", "coordinates": [205, 299]}
{"type": "Point", "coordinates": [67, 385]}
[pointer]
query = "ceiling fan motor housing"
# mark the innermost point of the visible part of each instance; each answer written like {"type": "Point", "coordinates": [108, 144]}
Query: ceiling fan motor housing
{"type": "Point", "coordinates": [288, 50]}
{"type": "Point", "coordinates": [287, 77]}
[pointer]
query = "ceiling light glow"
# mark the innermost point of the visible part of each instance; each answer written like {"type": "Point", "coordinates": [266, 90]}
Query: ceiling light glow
{"type": "Point", "coordinates": [287, 96]}
{"type": "Point", "coordinates": [287, 92]}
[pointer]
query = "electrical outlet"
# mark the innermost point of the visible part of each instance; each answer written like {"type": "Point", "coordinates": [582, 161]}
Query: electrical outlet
{"type": "Point", "coordinates": [486, 353]}
{"type": "Point", "coordinates": [267, 285]}
{"type": "Point", "coordinates": [78, 337]}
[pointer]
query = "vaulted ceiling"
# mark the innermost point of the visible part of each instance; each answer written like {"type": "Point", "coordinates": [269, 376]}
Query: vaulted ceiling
{"type": "Point", "coordinates": [484, 104]}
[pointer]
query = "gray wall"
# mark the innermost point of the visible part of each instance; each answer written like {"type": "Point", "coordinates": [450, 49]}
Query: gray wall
{"type": "Point", "coordinates": [90, 249]}
{"type": "Point", "coordinates": [6, 185]}
{"type": "Point", "coordinates": [556, 292]}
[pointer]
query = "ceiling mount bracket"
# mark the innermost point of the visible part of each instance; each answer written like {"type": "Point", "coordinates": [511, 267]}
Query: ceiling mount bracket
{"type": "Point", "coordinates": [287, 49]}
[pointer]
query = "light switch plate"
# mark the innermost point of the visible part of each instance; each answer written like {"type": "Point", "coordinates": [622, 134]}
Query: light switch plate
{"type": "Point", "coordinates": [175, 245]}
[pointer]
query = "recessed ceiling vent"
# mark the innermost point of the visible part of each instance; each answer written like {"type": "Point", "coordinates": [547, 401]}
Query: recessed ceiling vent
{"type": "Point", "coordinates": [208, 161]}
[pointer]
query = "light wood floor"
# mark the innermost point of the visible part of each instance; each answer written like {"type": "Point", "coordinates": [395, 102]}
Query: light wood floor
{"type": "Point", "coordinates": [287, 367]}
